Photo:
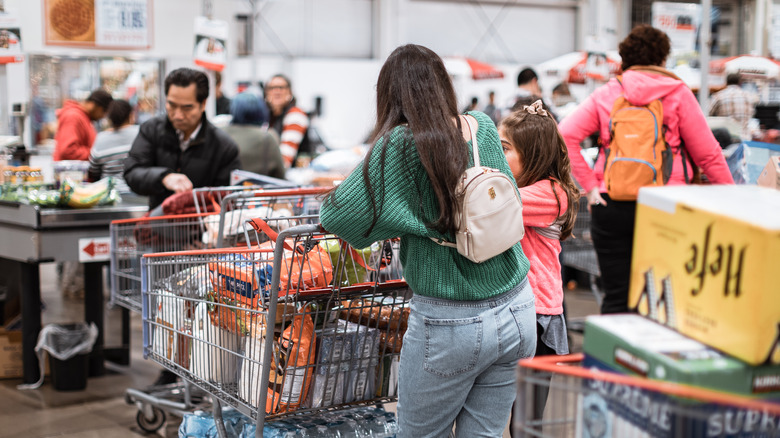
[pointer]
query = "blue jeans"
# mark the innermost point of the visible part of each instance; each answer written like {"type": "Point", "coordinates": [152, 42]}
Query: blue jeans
{"type": "Point", "coordinates": [458, 363]}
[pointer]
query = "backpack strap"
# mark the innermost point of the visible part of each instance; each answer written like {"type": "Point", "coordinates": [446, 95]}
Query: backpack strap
{"type": "Point", "coordinates": [475, 150]}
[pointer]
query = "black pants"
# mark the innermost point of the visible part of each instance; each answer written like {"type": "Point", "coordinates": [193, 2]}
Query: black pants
{"type": "Point", "coordinates": [612, 229]}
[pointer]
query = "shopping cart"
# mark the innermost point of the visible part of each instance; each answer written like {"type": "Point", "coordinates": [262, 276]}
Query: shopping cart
{"type": "Point", "coordinates": [297, 323]}
{"type": "Point", "coordinates": [588, 403]}
{"type": "Point", "coordinates": [220, 223]}
{"type": "Point", "coordinates": [577, 251]}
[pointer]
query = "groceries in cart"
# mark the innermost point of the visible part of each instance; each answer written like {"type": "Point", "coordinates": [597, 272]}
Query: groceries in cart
{"type": "Point", "coordinates": [326, 340]}
{"type": "Point", "coordinates": [290, 367]}
{"type": "Point", "coordinates": [233, 221]}
{"type": "Point", "coordinates": [347, 362]}
{"type": "Point", "coordinates": [248, 282]}
{"type": "Point", "coordinates": [215, 350]}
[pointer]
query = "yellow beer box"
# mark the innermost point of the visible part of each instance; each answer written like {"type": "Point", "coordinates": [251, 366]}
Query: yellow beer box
{"type": "Point", "coordinates": [706, 261]}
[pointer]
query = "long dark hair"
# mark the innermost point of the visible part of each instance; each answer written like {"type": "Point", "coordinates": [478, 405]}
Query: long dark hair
{"type": "Point", "coordinates": [544, 156]}
{"type": "Point", "coordinates": [414, 89]}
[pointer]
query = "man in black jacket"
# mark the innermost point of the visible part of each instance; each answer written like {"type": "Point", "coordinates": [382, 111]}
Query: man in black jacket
{"type": "Point", "coordinates": [181, 150]}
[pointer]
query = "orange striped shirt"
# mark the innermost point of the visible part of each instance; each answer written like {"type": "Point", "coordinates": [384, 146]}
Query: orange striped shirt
{"type": "Point", "coordinates": [294, 126]}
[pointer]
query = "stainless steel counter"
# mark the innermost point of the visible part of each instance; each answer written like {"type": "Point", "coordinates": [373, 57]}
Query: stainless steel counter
{"type": "Point", "coordinates": [31, 235]}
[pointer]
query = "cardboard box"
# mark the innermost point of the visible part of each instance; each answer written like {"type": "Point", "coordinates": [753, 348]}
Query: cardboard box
{"type": "Point", "coordinates": [705, 262]}
{"type": "Point", "coordinates": [636, 346]}
{"type": "Point", "coordinates": [770, 176]}
{"type": "Point", "coordinates": [10, 354]}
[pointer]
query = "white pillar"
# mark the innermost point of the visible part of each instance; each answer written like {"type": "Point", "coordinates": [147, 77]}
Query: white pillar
{"type": "Point", "coordinates": [704, 52]}
{"type": "Point", "coordinates": [385, 35]}
{"type": "Point", "coordinates": [760, 27]}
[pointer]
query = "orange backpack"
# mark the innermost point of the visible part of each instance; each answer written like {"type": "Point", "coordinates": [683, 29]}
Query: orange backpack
{"type": "Point", "coordinates": [638, 154]}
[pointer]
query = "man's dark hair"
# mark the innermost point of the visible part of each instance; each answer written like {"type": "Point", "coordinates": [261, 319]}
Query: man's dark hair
{"type": "Point", "coordinates": [645, 45]}
{"type": "Point", "coordinates": [525, 76]}
{"type": "Point", "coordinates": [119, 113]}
{"type": "Point", "coordinates": [184, 77]}
{"type": "Point", "coordinates": [101, 98]}
{"type": "Point", "coordinates": [733, 79]}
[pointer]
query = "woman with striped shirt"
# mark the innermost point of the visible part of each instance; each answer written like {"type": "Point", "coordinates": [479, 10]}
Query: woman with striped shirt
{"type": "Point", "coordinates": [289, 121]}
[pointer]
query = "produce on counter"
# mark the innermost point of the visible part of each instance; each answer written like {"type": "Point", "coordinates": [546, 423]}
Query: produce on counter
{"type": "Point", "coordinates": [70, 193]}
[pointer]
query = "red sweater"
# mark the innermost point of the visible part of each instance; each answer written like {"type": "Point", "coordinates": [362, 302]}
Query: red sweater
{"type": "Point", "coordinates": [75, 133]}
{"type": "Point", "coordinates": [540, 209]}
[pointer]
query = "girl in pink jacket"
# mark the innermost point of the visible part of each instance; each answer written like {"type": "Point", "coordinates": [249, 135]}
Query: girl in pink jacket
{"type": "Point", "coordinates": [643, 53]}
{"type": "Point", "coordinates": [537, 156]}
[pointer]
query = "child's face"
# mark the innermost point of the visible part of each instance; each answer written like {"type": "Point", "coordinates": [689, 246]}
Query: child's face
{"type": "Point", "coordinates": [510, 152]}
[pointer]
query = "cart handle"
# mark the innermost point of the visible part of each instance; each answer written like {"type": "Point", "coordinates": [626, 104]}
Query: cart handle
{"type": "Point", "coordinates": [569, 365]}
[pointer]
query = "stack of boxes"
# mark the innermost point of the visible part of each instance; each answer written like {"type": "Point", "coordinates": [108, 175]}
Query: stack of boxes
{"type": "Point", "coordinates": [703, 281]}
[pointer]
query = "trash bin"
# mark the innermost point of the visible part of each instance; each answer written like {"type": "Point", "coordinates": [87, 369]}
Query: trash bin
{"type": "Point", "coordinates": [68, 346]}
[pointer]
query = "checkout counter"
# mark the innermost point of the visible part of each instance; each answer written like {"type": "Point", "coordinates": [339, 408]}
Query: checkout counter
{"type": "Point", "coordinates": [32, 235]}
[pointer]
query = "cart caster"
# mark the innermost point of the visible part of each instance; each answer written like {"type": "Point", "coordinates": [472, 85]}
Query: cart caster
{"type": "Point", "coordinates": [150, 425]}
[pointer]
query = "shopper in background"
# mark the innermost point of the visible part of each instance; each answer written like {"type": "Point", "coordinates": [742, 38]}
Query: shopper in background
{"type": "Point", "coordinates": [469, 322]}
{"type": "Point", "coordinates": [644, 52]}
{"type": "Point", "coordinates": [537, 156]}
{"type": "Point", "coordinates": [734, 102]}
{"type": "Point", "coordinates": [562, 100]}
{"type": "Point", "coordinates": [528, 83]}
{"type": "Point", "coordinates": [290, 122]}
{"type": "Point", "coordinates": [222, 101]}
{"type": "Point", "coordinates": [491, 110]}
{"type": "Point", "coordinates": [180, 150]}
{"type": "Point", "coordinates": [75, 132]}
{"type": "Point", "coordinates": [473, 105]}
{"type": "Point", "coordinates": [258, 147]}
{"type": "Point", "coordinates": [112, 145]}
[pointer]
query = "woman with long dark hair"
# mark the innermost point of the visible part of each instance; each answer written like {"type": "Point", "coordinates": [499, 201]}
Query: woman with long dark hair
{"type": "Point", "coordinates": [469, 322]}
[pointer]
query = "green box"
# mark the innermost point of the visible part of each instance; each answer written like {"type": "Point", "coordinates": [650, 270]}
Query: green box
{"type": "Point", "coordinates": [634, 345]}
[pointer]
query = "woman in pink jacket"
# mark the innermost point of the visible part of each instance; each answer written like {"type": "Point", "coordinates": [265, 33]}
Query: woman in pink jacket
{"type": "Point", "coordinates": [643, 53]}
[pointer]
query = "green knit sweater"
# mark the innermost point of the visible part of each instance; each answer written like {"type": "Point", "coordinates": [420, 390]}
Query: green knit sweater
{"type": "Point", "coordinates": [430, 269]}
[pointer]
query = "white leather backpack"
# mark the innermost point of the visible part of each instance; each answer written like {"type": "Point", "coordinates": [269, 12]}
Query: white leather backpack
{"type": "Point", "coordinates": [490, 213]}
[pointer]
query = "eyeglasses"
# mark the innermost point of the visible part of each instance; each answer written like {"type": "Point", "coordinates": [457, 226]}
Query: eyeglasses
{"type": "Point", "coordinates": [276, 87]}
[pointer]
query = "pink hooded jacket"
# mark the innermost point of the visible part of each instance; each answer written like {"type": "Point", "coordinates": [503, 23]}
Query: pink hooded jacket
{"type": "Point", "coordinates": [683, 119]}
{"type": "Point", "coordinates": [540, 209]}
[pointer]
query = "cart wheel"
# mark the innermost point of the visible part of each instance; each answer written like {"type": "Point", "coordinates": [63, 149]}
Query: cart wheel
{"type": "Point", "coordinates": [153, 424]}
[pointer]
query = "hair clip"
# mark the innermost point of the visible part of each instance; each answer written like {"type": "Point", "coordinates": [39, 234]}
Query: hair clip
{"type": "Point", "coordinates": [536, 108]}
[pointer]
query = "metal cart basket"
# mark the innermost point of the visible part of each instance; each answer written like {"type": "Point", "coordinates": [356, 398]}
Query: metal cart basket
{"type": "Point", "coordinates": [222, 212]}
{"type": "Point", "coordinates": [589, 403]}
{"type": "Point", "coordinates": [297, 323]}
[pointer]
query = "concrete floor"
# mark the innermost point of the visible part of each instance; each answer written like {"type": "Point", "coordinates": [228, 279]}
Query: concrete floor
{"type": "Point", "coordinates": [100, 410]}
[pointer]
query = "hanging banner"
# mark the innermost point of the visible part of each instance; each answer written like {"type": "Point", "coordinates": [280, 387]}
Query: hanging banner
{"type": "Point", "coordinates": [210, 43]}
{"type": "Point", "coordinates": [680, 21]}
{"type": "Point", "coordinates": [102, 24]}
{"type": "Point", "coordinates": [10, 38]}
